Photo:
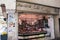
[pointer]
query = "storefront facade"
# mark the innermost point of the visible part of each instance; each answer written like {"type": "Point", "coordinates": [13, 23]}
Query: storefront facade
{"type": "Point", "coordinates": [27, 14]}
{"type": "Point", "coordinates": [31, 21]}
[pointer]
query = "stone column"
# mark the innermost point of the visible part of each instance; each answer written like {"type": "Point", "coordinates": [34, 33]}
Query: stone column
{"type": "Point", "coordinates": [56, 26]}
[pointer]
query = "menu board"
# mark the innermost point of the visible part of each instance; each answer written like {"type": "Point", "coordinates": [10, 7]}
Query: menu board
{"type": "Point", "coordinates": [11, 22]}
{"type": "Point", "coordinates": [11, 26]}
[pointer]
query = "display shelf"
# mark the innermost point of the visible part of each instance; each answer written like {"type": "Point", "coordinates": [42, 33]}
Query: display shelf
{"type": "Point", "coordinates": [32, 37]}
{"type": "Point", "coordinates": [34, 33]}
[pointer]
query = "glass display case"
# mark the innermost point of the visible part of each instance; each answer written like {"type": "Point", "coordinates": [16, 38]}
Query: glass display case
{"type": "Point", "coordinates": [32, 25]}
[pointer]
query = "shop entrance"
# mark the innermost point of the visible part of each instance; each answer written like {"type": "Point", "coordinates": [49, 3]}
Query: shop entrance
{"type": "Point", "coordinates": [31, 25]}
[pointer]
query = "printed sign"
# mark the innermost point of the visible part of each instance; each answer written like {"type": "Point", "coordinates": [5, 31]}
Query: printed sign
{"type": "Point", "coordinates": [23, 6]}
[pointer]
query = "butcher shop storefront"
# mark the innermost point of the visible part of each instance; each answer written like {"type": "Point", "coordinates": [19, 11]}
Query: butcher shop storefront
{"type": "Point", "coordinates": [32, 21]}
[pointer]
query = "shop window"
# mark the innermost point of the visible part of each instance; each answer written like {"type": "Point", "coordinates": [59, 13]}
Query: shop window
{"type": "Point", "coordinates": [32, 24]}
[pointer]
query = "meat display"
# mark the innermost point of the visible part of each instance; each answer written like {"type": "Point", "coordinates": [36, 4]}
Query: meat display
{"type": "Point", "coordinates": [31, 24]}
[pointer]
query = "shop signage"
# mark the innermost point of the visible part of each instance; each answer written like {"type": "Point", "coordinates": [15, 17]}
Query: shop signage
{"type": "Point", "coordinates": [23, 6]}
